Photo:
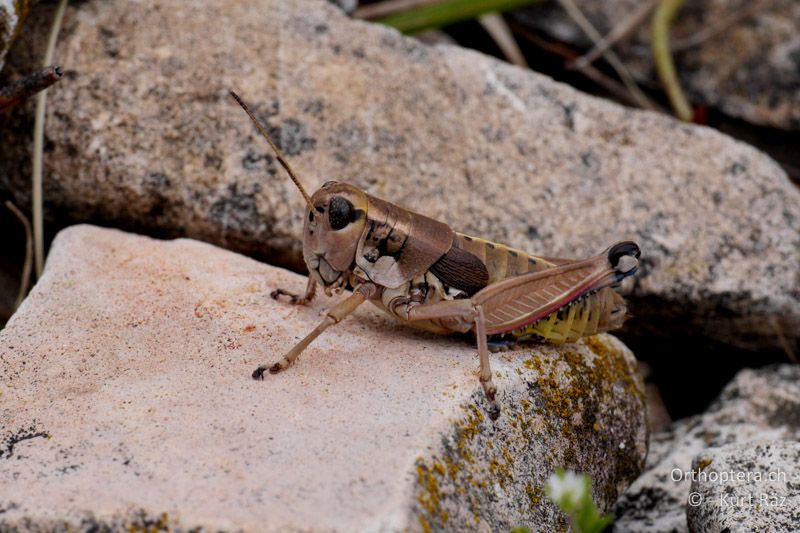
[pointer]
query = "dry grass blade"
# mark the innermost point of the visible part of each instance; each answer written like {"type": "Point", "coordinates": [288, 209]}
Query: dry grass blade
{"type": "Point", "coordinates": [580, 19]}
{"type": "Point", "coordinates": [611, 86]}
{"type": "Point", "coordinates": [38, 146]}
{"type": "Point", "coordinates": [495, 25]}
{"type": "Point", "coordinates": [662, 57]}
{"type": "Point", "coordinates": [784, 342]}
{"type": "Point", "coordinates": [619, 32]}
{"type": "Point", "coordinates": [28, 265]}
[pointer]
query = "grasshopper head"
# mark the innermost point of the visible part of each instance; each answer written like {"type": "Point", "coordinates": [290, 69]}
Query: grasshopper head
{"type": "Point", "coordinates": [335, 220]}
{"type": "Point", "coordinates": [332, 230]}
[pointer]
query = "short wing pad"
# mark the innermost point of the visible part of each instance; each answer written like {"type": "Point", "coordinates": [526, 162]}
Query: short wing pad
{"type": "Point", "coordinates": [461, 270]}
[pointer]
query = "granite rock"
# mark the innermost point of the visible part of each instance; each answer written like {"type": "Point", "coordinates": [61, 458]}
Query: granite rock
{"type": "Point", "coordinates": [749, 70]}
{"type": "Point", "coordinates": [128, 369]}
{"type": "Point", "coordinates": [741, 488]}
{"type": "Point", "coordinates": [142, 134]}
{"type": "Point", "coordinates": [758, 406]}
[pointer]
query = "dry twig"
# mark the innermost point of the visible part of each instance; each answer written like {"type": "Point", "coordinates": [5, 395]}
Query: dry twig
{"type": "Point", "coordinates": [580, 19]}
{"type": "Point", "coordinates": [612, 86]}
{"type": "Point", "coordinates": [617, 33]}
{"type": "Point", "coordinates": [18, 92]}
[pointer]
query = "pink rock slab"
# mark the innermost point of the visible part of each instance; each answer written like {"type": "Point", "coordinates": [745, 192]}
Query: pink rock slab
{"type": "Point", "coordinates": [126, 400]}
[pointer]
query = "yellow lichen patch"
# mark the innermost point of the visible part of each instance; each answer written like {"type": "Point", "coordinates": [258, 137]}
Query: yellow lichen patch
{"type": "Point", "coordinates": [460, 471]}
{"type": "Point", "coordinates": [612, 365]}
{"type": "Point", "coordinates": [556, 401]}
{"type": "Point", "coordinates": [429, 496]}
{"type": "Point", "coordinates": [452, 467]}
{"type": "Point", "coordinates": [565, 411]}
{"type": "Point", "coordinates": [160, 524]}
{"type": "Point", "coordinates": [501, 470]}
{"type": "Point", "coordinates": [573, 386]}
{"type": "Point", "coordinates": [584, 380]}
{"type": "Point", "coordinates": [430, 475]}
{"type": "Point", "coordinates": [703, 463]}
{"type": "Point", "coordinates": [534, 494]}
{"type": "Point", "coordinates": [426, 527]}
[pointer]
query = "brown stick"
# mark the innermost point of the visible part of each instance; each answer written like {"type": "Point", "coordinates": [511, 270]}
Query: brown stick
{"type": "Point", "coordinates": [23, 89]}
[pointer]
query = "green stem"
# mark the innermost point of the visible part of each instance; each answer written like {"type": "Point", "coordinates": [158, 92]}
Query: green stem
{"type": "Point", "coordinates": [38, 146]}
{"type": "Point", "coordinates": [448, 12]}
{"type": "Point", "coordinates": [662, 57]}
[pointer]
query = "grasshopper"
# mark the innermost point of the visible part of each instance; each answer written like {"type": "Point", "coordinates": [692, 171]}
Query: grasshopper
{"type": "Point", "coordinates": [419, 270]}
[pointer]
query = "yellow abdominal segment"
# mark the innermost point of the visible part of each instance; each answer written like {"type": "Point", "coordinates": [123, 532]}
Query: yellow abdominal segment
{"type": "Point", "coordinates": [595, 313]}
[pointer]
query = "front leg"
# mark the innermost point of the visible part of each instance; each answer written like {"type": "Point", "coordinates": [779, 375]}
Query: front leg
{"type": "Point", "coordinates": [333, 316]}
{"type": "Point", "coordinates": [311, 290]}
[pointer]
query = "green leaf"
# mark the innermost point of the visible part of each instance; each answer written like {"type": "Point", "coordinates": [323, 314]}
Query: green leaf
{"type": "Point", "coordinates": [446, 12]}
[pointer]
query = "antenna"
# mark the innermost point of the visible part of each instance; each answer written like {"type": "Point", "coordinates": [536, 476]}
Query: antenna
{"type": "Point", "coordinates": [278, 153]}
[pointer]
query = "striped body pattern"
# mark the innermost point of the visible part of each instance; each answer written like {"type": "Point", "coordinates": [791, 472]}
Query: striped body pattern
{"type": "Point", "coordinates": [590, 314]}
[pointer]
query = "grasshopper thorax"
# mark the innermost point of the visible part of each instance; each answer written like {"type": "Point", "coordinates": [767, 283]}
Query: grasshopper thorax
{"type": "Point", "coordinates": [333, 226]}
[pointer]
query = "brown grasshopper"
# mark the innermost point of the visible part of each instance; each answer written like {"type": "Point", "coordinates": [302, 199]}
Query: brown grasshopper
{"type": "Point", "coordinates": [419, 270]}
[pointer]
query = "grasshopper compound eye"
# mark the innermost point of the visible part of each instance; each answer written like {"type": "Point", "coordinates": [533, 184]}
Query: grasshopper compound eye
{"type": "Point", "coordinates": [340, 213]}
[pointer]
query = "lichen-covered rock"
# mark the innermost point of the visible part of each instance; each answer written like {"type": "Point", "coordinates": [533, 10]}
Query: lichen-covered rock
{"type": "Point", "coordinates": [757, 406]}
{"type": "Point", "coordinates": [142, 134]}
{"type": "Point", "coordinates": [128, 369]}
{"type": "Point", "coordinates": [749, 70]}
{"type": "Point", "coordinates": [742, 488]}
{"type": "Point", "coordinates": [12, 15]}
